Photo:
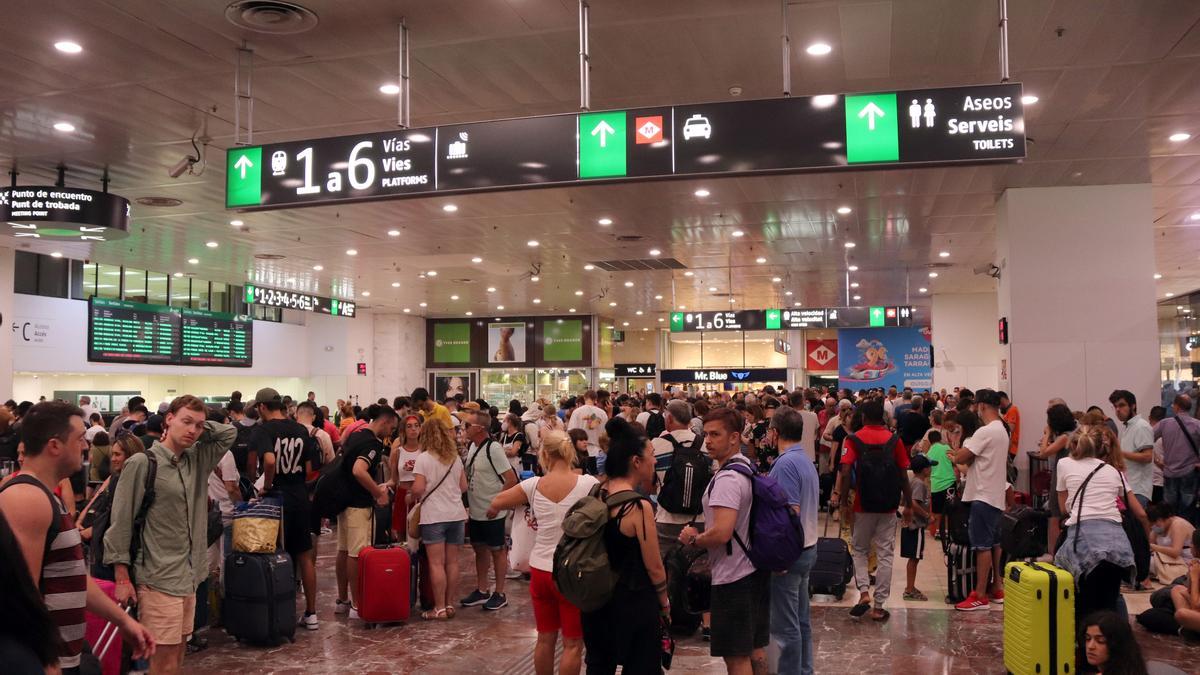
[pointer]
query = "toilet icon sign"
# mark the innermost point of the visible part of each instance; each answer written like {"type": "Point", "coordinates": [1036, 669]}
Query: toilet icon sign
{"type": "Point", "coordinates": [916, 111]}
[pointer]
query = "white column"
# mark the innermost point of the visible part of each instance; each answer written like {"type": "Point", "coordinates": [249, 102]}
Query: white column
{"type": "Point", "coordinates": [966, 344]}
{"type": "Point", "coordinates": [1077, 286]}
{"type": "Point", "coordinates": [399, 350]}
{"type": "Point", "coordinates": [7, 261]}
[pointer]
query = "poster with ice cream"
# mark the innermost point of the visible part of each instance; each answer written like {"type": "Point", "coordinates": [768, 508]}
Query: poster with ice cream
{"type": "Point", "coordinates": [885, 357]}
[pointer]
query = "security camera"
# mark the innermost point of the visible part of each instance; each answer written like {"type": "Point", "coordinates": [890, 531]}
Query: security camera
{"type": "Point", "coordinates": [182, 165]}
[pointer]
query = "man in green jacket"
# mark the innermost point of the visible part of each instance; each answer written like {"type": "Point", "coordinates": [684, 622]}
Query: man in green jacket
{"type": "Point", "coordinates": [172, 560]}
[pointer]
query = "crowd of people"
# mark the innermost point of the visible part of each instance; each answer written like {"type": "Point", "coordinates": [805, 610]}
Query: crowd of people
{"type": "Point", "coordinates": [146, 501]}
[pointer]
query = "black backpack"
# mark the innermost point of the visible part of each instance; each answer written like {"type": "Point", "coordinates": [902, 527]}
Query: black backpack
{"type": "Point", "coordinates": [686, 479]}
{"type": "Point", "coordinates": [656, 424]}
{"type": "Point", "coordinates": [241, 455]}
{"type": "Point", "coordinates": [104, 519]}
{"type": "Point", "coordinates": [877, 477]}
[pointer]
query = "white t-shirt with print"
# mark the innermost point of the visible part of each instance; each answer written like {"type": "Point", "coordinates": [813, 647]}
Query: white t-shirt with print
{"type": "Point", "coordinates": [549, 516]}
{"type": "Point", "coordinates": [591, 419]}
{"type": "Point", "coordinates": [443, 505]}
{"type": "Point", "coordinates": [405, 463]}
{"type": "Point", "coordinates": [1100, 496]}
{"type": "Point", "coordinates": [987, 475]}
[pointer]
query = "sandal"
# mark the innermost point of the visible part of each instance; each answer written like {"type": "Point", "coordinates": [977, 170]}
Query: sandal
{"type": "Point", "coordinates": [450, 611]}
{"type": "Point", "coordinates": [881, 617]}
{"type": "Point", "coordinates": [434, 615]}
{"type": "Point", "coordinates": [858, 610]}
{"type": "Point", "coordinates": [915, 594]}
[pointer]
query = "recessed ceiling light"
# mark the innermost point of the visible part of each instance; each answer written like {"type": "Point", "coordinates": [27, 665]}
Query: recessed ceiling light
{"type": "Point", "coordinates": [689, 274]}
{"type": "Point", "coordinates": [683, 307]}
{"type": "Point", "coordinates": [56, 254]}
{"type": "Point", "coordinates": [432, 273]}
{"type": "Point", "coordinates": [776, 280]}
{"type": "Point", "coordinates": [922, 290]}
{"type": "Point", "coordinates": [858, 297]}
{"type": "Point", "coordinates": [407, 310]}
{"type": "Point", "coordinates": [731, 301]}
{"type": "Point", "coordinates": [236, 223]}
{"type": "Point", "coordinates": [1157, 276]}
{"type": "Point", "coordinates": [1029, 99]}
{"type": "Point", "coordinates": [943, 254]}
{"type": "Point", "coordinates": [395, 284]}
{"type": "Point", "coordinates": [193, 261]}
{"type": "Point", "coordinates": [589, 267]}
{"type": "Point", "coordinates": [658, 297]}
{"type": "Point", "coordinates": [393, 233]}
{"type": "Point", "coordinates": [844, 210]}
{"type": "Point", "coordinates": [852, 268]}
{"type": "Point", "coordinates": [818, 49]}
{"type": "Point", "coordinates": [624, 323]}
{"type": "Point", "coordinates": [854, 284]}
{"type": "Point", "coordinates": [760, 260]}
{"type": "Point", "coordinates": [702, 192]}
{"type": "Point", "coordinates": [68, 47]}
{"type": "Point", "coordinates": [366, 294]}
{"type": "Point", "coordinates": [65, 127]}
{"type": "Point", "coordinates": [850, 244]}
{"type": "Point", "coordinates": [449, 208]}
{"type": "Point", "coordinates": [532, 243]}
{"type": "Point", "coordinates": [1170, 295]}
{"type": "Point", "coordinates": [491, 289]}
{"type": "Point", "coordinates": [177, 274]}
{"type": "Point", "coordinates": [537, 301]}
{"type": "Point", "coordinates": [351, 251]}
{"type": "Point", "coordinates": [933, 275]}
{"type": "Point", "coordinates": [612, 304]}
{"type": "Point", "coordinates": [644, 329]}
{"type": "Point", "coordinates": [1177, 137]}
{"type": "Point", "coordinates": [469, 313]}
{"type": "Point", "coordinates": [579, 292]}
{"type": "Point", "coordinates": [639, 312]}
{"type": "Point", "coordinates": [655, 252]}
{"type": "Point", "coordinates": [423, 304]}
{"type": "Point", "coordinates": [628, 284]}
{"type": "Point", "coordinates": [454, 297]}
{"type": "Point", "coordinates": [535, 278]}
{"type": "Point", "coordinates": [712, 289]}
{"type": "Point", "coordinates": [605, 221]}
{"type": "Point", "coordinates": [389, 89]}
{"type": "Point", "coordinates": [661, 320]}
{"type": "Point", "coordinates": [318, 268]}
{"type": "Point", "coordinates": [499, 308]}
{"type": "Point", "coordinates": [476, 260]}
{"type": "Point", "coordinates": [788, 293]}
{"type": "Point", "coordinates": [738, 233]}
{"type": "Point", "coordinates": [211, 244]}
{"type": "Point", "coordinates": [797, 303]}
{"type": "Point", "coordinates": [824, 101]}
{"type": "Point", "coordinates": [572, 310]}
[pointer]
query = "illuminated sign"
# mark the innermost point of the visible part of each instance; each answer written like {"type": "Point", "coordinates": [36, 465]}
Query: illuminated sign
{"type": "Point", "coordinates": [783, 319]}
{"type": "Point", "coordinates": [304, 302]}
{"type": "Point", "coordinates": [635, 369]}
{"type": "Point", "coordinates": [63, 214]}
{"type": "Point", "coordinates": [722, 375]}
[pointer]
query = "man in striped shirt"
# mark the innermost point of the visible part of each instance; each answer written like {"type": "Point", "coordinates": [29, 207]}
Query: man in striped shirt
{"type": "Point", "coordinates": [52, 433]}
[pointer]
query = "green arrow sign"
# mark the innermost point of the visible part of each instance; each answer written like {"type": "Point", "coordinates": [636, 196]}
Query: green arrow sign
{"type": "Point", "coordinates": [872, 129]}
{"type": "Point", "coordinates": [602, 144]}
{"type": "Point", "coordinates": [876, 316]}
{"type": "Point", "coordinates": [676, 322]}
{"type": "Point", "coordinates": [243, 177]}
{"type": "Point", "coordinates": [773, 322]}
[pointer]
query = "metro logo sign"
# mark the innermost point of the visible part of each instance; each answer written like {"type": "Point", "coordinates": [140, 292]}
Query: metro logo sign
{"type": "Point", "coordinates": [649, 129]}
{"type": "Point", "coordinates": [821, 354]}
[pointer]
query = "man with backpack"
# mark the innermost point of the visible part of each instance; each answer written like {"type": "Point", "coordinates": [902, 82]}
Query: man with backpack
{"type": "Point", "coordinates": [879, 462]}
{"type": "Point", "coordinates": [488, 474]}
{"type": "Point", "coordinates": [652, 418]}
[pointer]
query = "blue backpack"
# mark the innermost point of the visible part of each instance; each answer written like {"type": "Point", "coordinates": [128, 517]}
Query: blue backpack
{"type": "Point", "coordinates": [776, 533]}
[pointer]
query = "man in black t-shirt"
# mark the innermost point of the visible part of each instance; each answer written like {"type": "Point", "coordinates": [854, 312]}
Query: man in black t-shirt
{"type": "Point", "coordinates": [289, 453]}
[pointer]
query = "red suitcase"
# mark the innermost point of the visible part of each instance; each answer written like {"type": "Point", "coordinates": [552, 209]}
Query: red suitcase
{"type": "Point", "coordinates": [383, 584]}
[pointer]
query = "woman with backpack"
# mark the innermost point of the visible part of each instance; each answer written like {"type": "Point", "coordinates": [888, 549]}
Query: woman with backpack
{"type": "Point", "coordinates": [627, 630]}
{"type": "Point", "coordinates": [96, 513]}
{"type": "Point", "coordinates": [549, 498]}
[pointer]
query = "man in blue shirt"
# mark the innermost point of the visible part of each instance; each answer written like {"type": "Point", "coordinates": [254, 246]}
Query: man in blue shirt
{"type": "Point", "coordinates": [796, 474]}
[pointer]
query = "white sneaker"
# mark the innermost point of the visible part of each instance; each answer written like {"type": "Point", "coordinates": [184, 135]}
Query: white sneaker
{"type": "Point", "coordinates": [341, 606]}
{"type": "Point", "coordinates": [310, 621]}
{"type": "Point", "coordinates": [353, 613]}
{"type": "Point", "coordinates": [512, 574]}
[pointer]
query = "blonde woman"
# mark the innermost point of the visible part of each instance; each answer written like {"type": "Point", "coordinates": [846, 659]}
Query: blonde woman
{"type": "Point", "coordinates": [549, 498]}
{"type": "Point", "coordinates": [438, 485]}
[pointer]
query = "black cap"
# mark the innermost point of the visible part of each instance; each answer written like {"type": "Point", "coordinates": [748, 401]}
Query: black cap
{"type": "Point", "coordinates": [920, 462]}
{"type": "Point", "coordinates": [987, 397]}
{"type": "Point", "coordinates": [154, 423]}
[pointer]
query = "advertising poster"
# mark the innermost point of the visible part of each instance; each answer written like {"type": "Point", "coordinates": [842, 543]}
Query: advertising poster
{"type": "Point", "coordinates": [447, 385]}
{"type": "Point", "coordinates": [452, 342]}
{"type": "Point", "coordinates": [506, 342]}
{"type": "Point", "coordinates": [562, 340]}
{"type": "Point", "coordinates": [885, 357]}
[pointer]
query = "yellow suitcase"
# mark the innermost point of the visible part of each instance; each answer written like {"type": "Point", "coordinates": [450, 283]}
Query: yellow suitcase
{"type": "Point", "coordinates": [1039, 619]}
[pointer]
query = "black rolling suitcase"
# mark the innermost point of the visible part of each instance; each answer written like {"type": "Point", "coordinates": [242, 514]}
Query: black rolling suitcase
{"type": "Point", "coordinates": [260, 597]}
{"type": "Point", "coordinates": [960, 571]}
{"type": "Point", "coordinates": [833, 568]}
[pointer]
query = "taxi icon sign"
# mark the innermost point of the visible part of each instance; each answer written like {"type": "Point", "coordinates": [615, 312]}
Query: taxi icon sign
{"type": "Point", "coordinates": [697, 126]}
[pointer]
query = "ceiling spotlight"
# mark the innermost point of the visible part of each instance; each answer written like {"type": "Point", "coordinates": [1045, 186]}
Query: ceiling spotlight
{"type": "Point", "coordinates": [824, 101]}
{"type": "Point", "coordinates": [655, 252]}
{"type": "Point", "coordinates": [407, 310]}
{"type": "Point", "coordinates": [449, 208]}
{"type": "Point", "coordinates": [1170, 295]}
{"type": "Point", "coordinates": [644, 329]}
{"type": "Point", "coordinates": [605, 221]}
{"type": "Point", "coordinates": [579, 292]}
{"type": "Point", "coordinates": [535, 278]}
{"type": "Point", "coordinates": [389, 89]}
{"type": "Point", "coordinates": [395, 284]}
{"type": "Point", "coordinates": [68, 47]}
{"type": "Point", "coordinates": [491, 289]}
{"type": "Point", "coordinates": [236, 223]}
{"type": "Point", "coordinates": [499, 308]}
{"type": "Point", "coordinates": [797, 303]}
{"type": "Point", "coordinates": [56, 254]}
{"type": "Point", "coordinates": [933, 275]}
{"type": "Point", "coordinates": [818, 49]}
{"type": "Point", "coordinates": [589, 267]}
{"type": "Point", "coordinates": [177, 274]}
{"type": "Point", "coordinates": [658, 297]}
{"type": "Point", "coordinates": [351, 251]}
{"type": "Point", "coordinates": [454, 297]}
{"type": "Point", "coordinates": [612, 304]}
{"type": "Point", "coordinates": [1177, 137]}
{"type": "Point", "coordinates": [844, 210]}
{"type": "Point", "coordinates": [393, 233]}
{"type": "Point", "coordinates": [639, 312]}
{"type": "Point", "coordinates": [776, 279]}
{"type": "Point", "coordinates": [683, 307]}
{"type": "Point", "coordinates": [850, 244]}
{"type": "Point", "coordinates": [1157, 276]}
{"type": "Point", "coordinates": [476, 260]}
{"type": "Point", "coordinates": [760, 260]}
{"type": "Point", "coordinates": [423, 304]}
{"type": "Point", "coordinates": [432, 273]}
{"type": "Point", "coordinates": [661, 320]}
{"type": "Point", "coordinates": [318, 268]}
{"type": "Point", "coordinates": [572, 310]}
{"type": "Point", "coordinates": [922, 290]}
{"type": "Point", "coordinates": [1195, 216]}
{"type": "Point", "coordinates": [537, 301]}
{"type": "Point", "coordinates": [193, 261]}
{"type": "Point", "coordinates": [628, 284]}
{"type": "Point", "coordinates": [1029, 99]}
{"type": "Point", "coordinates": [689, 274]}
{"type": "Point", "coordinates": [712, 289]}
{"type": "Point", "coordinates": [852, 268]}
{"type": "Point", "coordinates": [731, 301]}
{"type": "Point", "coordinates": [858, 297]}
{"type": "Point", "coordinates": [532, 243]}
{"type": "Point", "coordinates": [366, 294]}
{"type": "Point", "coordinates": [469, 313]}
{"type": "Point", "coordinates": [211, 244]}
{"type": "Point", "coordinates": [854, 284]}
{"type": "Point", "coordinates": [943, 254]}
{"type": "Point", "coordinates": [788, 293]}
{"type": "Point", "coordinates": [65, 127]}
{"type": "Point", "coordinates": [702, 192]}
{"type": "Point", "coordinates": [738, 233]}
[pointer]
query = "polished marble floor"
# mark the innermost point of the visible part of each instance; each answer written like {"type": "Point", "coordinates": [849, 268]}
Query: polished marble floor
{"type": "Point", "coordinates": [920, 637]}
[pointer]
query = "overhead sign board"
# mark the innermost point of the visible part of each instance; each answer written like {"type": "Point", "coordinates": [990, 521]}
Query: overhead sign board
{"type": "Point", "coordinates": [305, 302]}
{"type": "Point", "coordinates": [783, 319]}
{"type": "Point", "coordinates": [961, 124]}
{"type": "Point", "coordinates": [722, 375]}
{"type": "Point", "coordinates": [121, 331]}
{"type": "Point", "coordinates": [635, 369]}
{"type": "Point", "coordinates": [62, 213]}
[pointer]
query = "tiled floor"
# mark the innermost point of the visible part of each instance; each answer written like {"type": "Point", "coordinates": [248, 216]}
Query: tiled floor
{"type": "Point", "coordinates": [920, 637]}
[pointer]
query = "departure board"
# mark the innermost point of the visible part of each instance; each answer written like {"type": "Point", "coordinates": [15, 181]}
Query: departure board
{"type": "Point", "coordinates": [120, 331]}
{"type": "Point", "coordinates": [216, 339]}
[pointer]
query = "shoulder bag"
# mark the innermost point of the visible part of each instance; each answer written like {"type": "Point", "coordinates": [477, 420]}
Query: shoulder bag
{"type": "Point", "coordinates": [414, 516]}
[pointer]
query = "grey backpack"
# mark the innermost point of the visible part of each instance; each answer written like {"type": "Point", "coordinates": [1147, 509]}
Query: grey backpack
{"type": "Point", "coordinates": [582, 571]}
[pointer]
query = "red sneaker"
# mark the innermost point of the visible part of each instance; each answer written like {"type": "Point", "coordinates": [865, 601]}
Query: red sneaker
{"type": "Point", "coordinates": [972, 603]}
{"type": "Point", "coordinates": [997, 597]}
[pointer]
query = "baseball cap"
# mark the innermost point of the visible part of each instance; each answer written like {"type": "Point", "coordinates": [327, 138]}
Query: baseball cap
{"type": "Point", "coordinates": [987, 397]}
{"type": "Point", "coordinates": [154, 423]}
{"type": "Point", "coordinates": [266, 395]}
{"type": "Point", "coordinates": [921, 462]}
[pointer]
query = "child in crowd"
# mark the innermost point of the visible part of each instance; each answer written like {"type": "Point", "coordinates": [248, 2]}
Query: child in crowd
{"type": "Point", "coordinates": [941, 478]}
{"type": "Point", "coordinates": [912, 537]}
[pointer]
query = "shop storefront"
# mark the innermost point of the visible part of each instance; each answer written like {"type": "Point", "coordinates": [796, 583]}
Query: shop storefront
{"type": "Point", "coordinates": [695, 380]}
{"type": "Point", "coordinates": [632, 377]}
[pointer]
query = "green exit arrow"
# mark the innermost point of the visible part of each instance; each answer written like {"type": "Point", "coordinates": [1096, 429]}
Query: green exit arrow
{"type": "Point", "coordinates": [243, 177]}
{"type": "Point", "coordinates": [602, 143]}
{"type": "Point", "coordinates": [676, 322]}
{"type": "Point", "coordinates": [876, 316]}
{"type": "Point", "coordinates": [773, 322]}
{"type": "Point", "coordinates": [872, 130]}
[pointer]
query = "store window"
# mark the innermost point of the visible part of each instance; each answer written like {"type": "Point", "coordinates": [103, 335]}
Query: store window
{"type": "Point", "coordinates": [759, 349]}
{"type": "Point", "coordinates": [557, 383]}
{"type": "Point", "coordinates": [135, 285]}
{"type": "Point", "coordinates": [181, 292]}
{"type": "Point", "coordinates": [199, 294]}
{"type": "Point", "coordinates": [1179, 345]}
{"type": "Point", "coordinates": [498, 386]}
{"type": "Point", "coordinates": [108, 281]}
{"type": "Point", "coordinates": [156, 288]}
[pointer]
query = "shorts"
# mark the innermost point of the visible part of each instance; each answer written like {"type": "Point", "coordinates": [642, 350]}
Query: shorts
{"type": "Point", "coordinates": [983, 529]}
{"type": "Point", "coordinates": [912, 543]}
{"type": "Point", "coordinates": [167, 617]}
{"type": "Point", "coordinates": [450, 532]}
{"type": "Point", "coordinates": [741, 621]}
{"type": "Point", "coordinates": [488, 533]}
{"type": "Point", "coordinates": [937, 502]}
{"type": "Point", "coordinates": [551, 611]}
{"type": "Point", "coordinates": [297, 523]}
{"type": "Point", "coordinates": [356, 526]}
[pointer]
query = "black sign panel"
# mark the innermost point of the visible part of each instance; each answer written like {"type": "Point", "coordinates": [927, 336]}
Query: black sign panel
{"type": "Point", "coordinates": [216, 339]}
{"type": "Point", "coordinates": [120, 331]}
{"type": "Point", "coordinates": [649, 142]}
{"type": "Point", "coordinates": [944, 125]}
{"type": "Point", "coordinates": [635, 369]}
{"type": "Point", "coordinates": [62, 213]}
{"type": "Point", "coordinates": [508, 152]}
{"type": "Point", "coordinates": [746, 319]}
{"type": "Point", "coordinates": [722, 375]}
{"type": "Point", "coordinates": [305, 302]}
{"type": "Point", "coordinates": [808, 317]}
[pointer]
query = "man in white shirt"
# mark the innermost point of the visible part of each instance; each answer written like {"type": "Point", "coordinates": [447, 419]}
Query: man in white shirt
{"type": "Point", "coordinates": [85, 404]}
{"type": "Point", "coordinates": [986, 454]}
{"type": "Point", "coordinates": [1137, 444]}
{"type": "Point", "coordinates": [591, 419]}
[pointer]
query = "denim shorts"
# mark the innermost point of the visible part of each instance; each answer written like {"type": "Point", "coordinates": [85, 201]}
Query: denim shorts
{"type": "Point", "coordinates": [984, 526]}
{"type": "Point", "coordinates": [450, 532]}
